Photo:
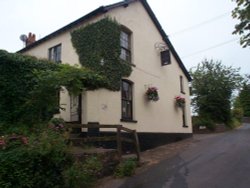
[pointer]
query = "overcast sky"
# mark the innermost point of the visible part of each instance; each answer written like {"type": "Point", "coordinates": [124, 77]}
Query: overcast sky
{"type": "Point", "coordinates": [198, 29]}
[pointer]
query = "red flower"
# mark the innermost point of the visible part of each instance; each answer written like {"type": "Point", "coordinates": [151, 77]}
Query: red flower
{"type": "Point", "coordinates": [152, 94]}
{"type": "Point", "coordinates": [2, 143]}
{"type": "Point", "coordinates": [180, 101]}
{"type": "Point", "coordinates": [24, 140]}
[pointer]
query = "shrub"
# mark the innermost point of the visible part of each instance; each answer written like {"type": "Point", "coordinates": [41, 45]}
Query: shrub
{"type": "Point", "coordinates": [237, 113]}
{"type": "Point", "coordinates": [83, 174]}
{"type": "Point", "coordinates": [18, 79]}
{"type": "Point", "coordinates": [125, 168]}
{"type": "Point", "coordinates": [234, 123]}
{"type": "Point", "coordinates": [30, 86]}
{"type": "Point", "coordinates": [204, 121]}
{"type": "Point", "coordinates": [39, 163]}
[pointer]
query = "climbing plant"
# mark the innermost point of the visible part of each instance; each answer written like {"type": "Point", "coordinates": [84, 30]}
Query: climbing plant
{"type": "Point", "coordinates": [98, 48]}
{"type": "Point", "coordinates": [29, 87]}
{"type": "Point", "coordinates": [16, 81]}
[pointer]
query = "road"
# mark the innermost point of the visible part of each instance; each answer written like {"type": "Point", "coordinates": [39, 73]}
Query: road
{"type": "Point", "coordinates": [211, 161]}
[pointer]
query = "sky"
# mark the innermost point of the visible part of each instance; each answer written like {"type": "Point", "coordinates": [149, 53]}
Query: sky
{"type": "Point", "coordinates": [197, 29]}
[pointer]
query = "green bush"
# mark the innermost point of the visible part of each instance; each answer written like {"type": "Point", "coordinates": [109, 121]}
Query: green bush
{"type": "Point", "coordinates": [126, 168]}
{"type": "Point", "coordinates": [18, 79]}
{"type": "Point", "coordinates": [237, 113]}
{"type": "Point", "coordinates": [30, 86]}
{"type": "Point", "coordinates": [83, 174]}
{"type": "Point", "coordinates": [204, 121]}
{"type": "Point", "coordinates": [234, 123]}
{"type": "Point", "coordinates": [39, 163]}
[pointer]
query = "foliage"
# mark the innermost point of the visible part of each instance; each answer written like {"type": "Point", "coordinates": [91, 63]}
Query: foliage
{"type": "Point", "coordinates": [16, 81]}
{"type": "Point", "coordinates": [37, 157]}
{"type": "Point", "coordinates": [73, 78]}
{"type": "Point", "coordinates": [234, 123]}
{"type": "Point", "coordinates": [180, 101]}
{"type": "Point", "coordinates": [152, 94]}
{"type": "Point", "coordinates": [30, 86]}
{"type": "Point", "coordinates": [39, 163]}
{"type": "Point", "coordinates": [16, 128]}
{"type": "Point", "coordinates": [237, 113]}
{"type": "Point", "coordinates": [43, 160]}
{"type": "Point", "coordinates": [242, 13]}
{"type": "Point", "coordinates": [83, 174]}
{"type": "Point", "coordinates": [126, 168]}
{"type": "Point", "coordinates": [244, 98]}
{"type": "Point", "coordinates": [98, 48]}
{"type": "Point", "coordinates": [204, 121]}
{"type": "Point", "coordinates": [213, 85]}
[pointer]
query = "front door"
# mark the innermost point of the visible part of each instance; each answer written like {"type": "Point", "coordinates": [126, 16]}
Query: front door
{"type": "Point", "coordinates": [75, 108]}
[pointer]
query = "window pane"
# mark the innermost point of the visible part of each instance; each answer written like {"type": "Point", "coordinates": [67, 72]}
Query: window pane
{"type": "Point", "coordinates": [126, 91]}
{"type": "Point", "coordinates": [126, 109]}
{"type": "Point", "coordinates": [50, 54]}
{"type": "Point", "coordinates": [58, 53]}
{"type": "Point", "coordinates": [55, 53]}
{"type": "Point", "coordinates": [125, 46]}
{"type": "Point", "coordinates": [129, 110]}
{"type": "Point", "coordinates": [123, 55]}
{"type": "Point", "coordinates": [126, 100]}
{"type": "Point", "coordinates": [124, 39]}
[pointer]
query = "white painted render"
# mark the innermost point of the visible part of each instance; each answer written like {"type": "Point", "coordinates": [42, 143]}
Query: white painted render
{"type": "Point", "coordinates": [104, 106]}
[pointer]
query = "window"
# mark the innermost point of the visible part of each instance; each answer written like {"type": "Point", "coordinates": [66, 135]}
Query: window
{"type": "Point", "coordinates": [55, 53]}
{"type": "Point", "coordinates": [165, 57]}
{"type": "Point", "coordinates": [184, 123]}
{"type": "Point", "coordinates": [181, 85]}
{"type": "Point", "coordinates": [127, 100]}
{"type": "Point", "coordinates": [125, 46]}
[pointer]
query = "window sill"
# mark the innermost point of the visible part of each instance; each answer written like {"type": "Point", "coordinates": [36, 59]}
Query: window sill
{"type": "Point", "coordinates": [128, 120]}
{"type": "Point", "coordinates": [185, 126]}
{"type": "Point", "coordinates": [183, 92]}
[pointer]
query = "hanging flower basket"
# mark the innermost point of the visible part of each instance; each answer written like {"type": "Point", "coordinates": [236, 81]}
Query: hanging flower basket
{"type": "Point", "coordinates": [152, 94]}
{"type": "Point", "coordinates": [180, 101]}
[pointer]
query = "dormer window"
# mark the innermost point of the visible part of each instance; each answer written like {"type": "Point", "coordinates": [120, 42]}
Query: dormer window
{"type": "Point", "coordinates": [55, 53]}
{"type": "Point", "coordinates": [125, 42]}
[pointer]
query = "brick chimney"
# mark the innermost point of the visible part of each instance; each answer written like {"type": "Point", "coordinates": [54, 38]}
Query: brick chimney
{"type": "Point", "coordinates": [30, 39]}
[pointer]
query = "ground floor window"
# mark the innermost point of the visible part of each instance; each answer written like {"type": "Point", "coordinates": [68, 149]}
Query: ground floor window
{"type": "Point", "coordinates": [184, 123]}
{"type": "Point", "coordinates": [127, 100]}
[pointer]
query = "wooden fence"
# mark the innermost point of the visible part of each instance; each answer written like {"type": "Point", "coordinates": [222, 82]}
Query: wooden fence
{"type": "Point", "coordinates": [118, 138]}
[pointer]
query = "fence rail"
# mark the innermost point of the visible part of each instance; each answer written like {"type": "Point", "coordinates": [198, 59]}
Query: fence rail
{"type": "Point", "coordinates": [118, 138]}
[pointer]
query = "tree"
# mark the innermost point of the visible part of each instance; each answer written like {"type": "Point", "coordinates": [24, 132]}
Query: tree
{"type": "Point", "coordinates": [244, 98]}
{"type": "Point", "coordinates": [242, 13]}
{"type": "Point", "coordinates": [213, 85]}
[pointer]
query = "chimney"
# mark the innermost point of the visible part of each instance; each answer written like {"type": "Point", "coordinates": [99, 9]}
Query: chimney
{"type": "Point", "coordinates": [30, 39]}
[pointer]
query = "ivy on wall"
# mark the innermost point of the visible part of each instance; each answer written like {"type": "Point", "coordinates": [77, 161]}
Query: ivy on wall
{"type": "Point", "coordinates": [98, 48]}
{"type": "Point", "coordinates": [29, 87]}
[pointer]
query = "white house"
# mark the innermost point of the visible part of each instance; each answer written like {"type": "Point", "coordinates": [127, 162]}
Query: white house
{"type": "Point", "coordinates": [155, 63]}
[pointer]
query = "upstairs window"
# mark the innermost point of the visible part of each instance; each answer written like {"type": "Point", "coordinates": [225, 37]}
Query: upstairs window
{"type": "Point", "coordinates": [127, 100]}
{"type": "Point", "coordinates": [55, 53]}
{"type": "Point", "coordinates": [125, 42]}
{"type": "Point", "coordinates": [181, 85]}
{"type": "Point", "coordinates": [165, 57]}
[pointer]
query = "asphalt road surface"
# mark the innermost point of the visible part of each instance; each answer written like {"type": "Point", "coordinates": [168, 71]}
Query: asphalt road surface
{"type": "Point", "coordinates": [212, 161]}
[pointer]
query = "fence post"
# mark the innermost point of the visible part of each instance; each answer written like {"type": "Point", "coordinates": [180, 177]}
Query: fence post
{"type": "Point", "coordinates": [137, 146]}
{"type": "Point", "coordinates": [119, 142]}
